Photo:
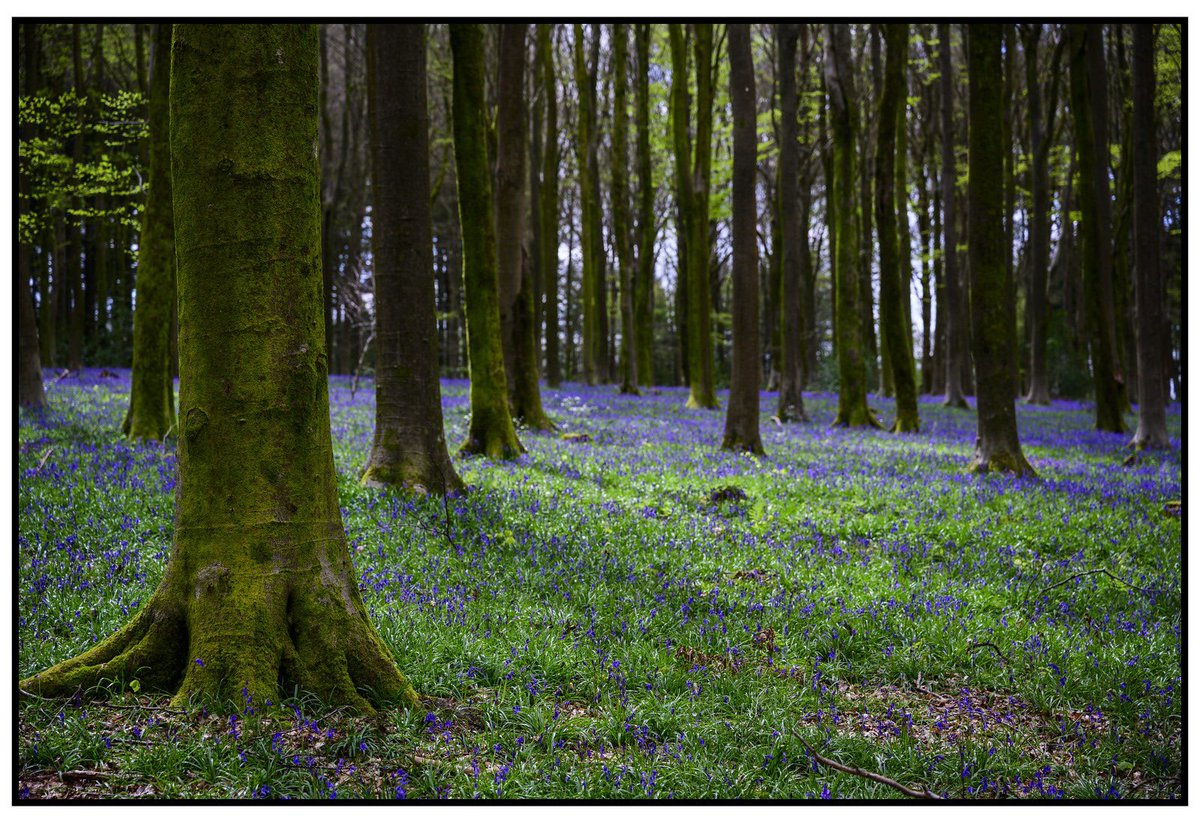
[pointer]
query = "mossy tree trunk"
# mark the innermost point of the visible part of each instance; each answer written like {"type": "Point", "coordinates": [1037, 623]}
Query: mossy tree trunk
{"type": "Point", "coordinates": [548, 205]}
{"type": "Point", "coordinates": [517, 325]}
{"type": "Point", "coordinates": [260, 591]}
{"type": "Point", "coordinates": [409, 447]}
{"type": "Point", "coordinates": [1151, 324]}
{"type": "Point", "coordinates": [956, 338]}
{"type": "Point", "coordinates": [997, 447]}
{"type": "Point", "coordinates": [852, 369]}
{"type": "Point", "coordinates": [890, 203]}
{"type": "Point", "coordinates": [31, 394]}
{"type": "Point", "coordinates": [1089, 115]}
{"type": "Point", "coordinates": [741, 418]}
{"type": "Point", "coordinates": [620, 206]}
{"type": "Point", "coordinates": [643, 287]}
{"type": "Point", "coordinates": [491, 430]}
{"type": "Point", "coordinates": [791, 263]}
{"type": "Point", "coordinates": [151, 411]}
{"type": "Point", "coordinates": [702, 394]}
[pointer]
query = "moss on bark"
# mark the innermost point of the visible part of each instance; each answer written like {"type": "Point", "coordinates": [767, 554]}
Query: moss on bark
{"type": "Point", "coordinates": [491, 430]}
{"type": "Point", "coordinates": [151, 413]}
{"type": "Point", "coordinates": [260, 591]}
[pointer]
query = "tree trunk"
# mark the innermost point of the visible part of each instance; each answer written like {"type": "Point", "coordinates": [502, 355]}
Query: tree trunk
{"type": "Point", "coordinates": [620, 201]}
{"type": "Point", "coordinates": [643, 287]}
{"type": "Point", "coordinates": [1089, 111]}
{"type": "Point", "coordinates": [589, 203]}
{"type": "Point", "coordinates": [955, 308]}
{"type": "Point", "coordinates": [852, 369]}
{"type": "Point", "coordinates": [681, 143]}
{"type": "Point", "coordinates": [897, 332]}
{"type": "Point", "coordinates": [741, 418]}
{"type": "Point", "coordinates": [791, 365]}
{"type": "Point", "coordinates": [30, 391]}
{"type": "Point", "coordinates": [997, 447]}
{"type": "Point", "coordinates": [151, 413]}
{"type": "Point", "coordinates": [260, 592]}
{"type": "Point", "coordinates": [1039, 234]}
{"type": "Point", "coordinates": [548, 206]}
{"type": "Point", "coordinates": [491, 430]}
{"type": "Point", "coordinates": [409, 448]}
{"type": "Point", "coordinates": [1151, 323]}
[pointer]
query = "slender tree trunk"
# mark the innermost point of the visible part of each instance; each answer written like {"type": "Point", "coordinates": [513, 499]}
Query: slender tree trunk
{"type": "Point", "coordinates": [30, 392]}
{"type": "Point", "coordinates": [516, 279]}
{"type": "Point", "coordinates": [1151, 323]}
{"type": "Point", "coordinates": [868, 136]}
{"type": "Point", "coordinates": [620, 201]}
{"type": "Point", "coordinates": [1089, 110]}
{"type": "Point", "coordinates": [852, 370]}
{"type": "Point", "coordinates": [491, 430]}
{"type": "Point", "coordinates": [682, 145]}
{"type": "Point", "coordinates": [955, 309]}
{"type": "Point", "coordinates": [791, 365]}
{"type": "Point", "coordinates": [260, 593]}
{"type": "Point", "coordinates": [151, 413]}
{"type": "Point", "coordinates": [1039, 235]}
{"type": "Point", "coordinates": [741, 418]}
{"type": "Point", "coordinates": [892, 294]}
{"type": "Point", "coordinates": [997, 447]}
{"type": "Point", "coordinates": [548, 206]}
{"type": "Point", "coordinates": [643, 287]}
{"type": "Point", "coordinates": [589, 202]}
{"type": "Point", "coordinates": [409, 448]}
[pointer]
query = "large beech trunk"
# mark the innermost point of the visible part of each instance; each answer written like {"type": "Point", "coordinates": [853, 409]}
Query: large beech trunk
{"type": "Point", "coordinates": [151, 413]}
{"type": "Point", "coordinates": [997, 447]}
{"type": "Point", "coordinates": [741, 418]}
{"type": "Point", "coordinates": [260, 592]}
{"type": "Point", "coordinates": [409, 449]}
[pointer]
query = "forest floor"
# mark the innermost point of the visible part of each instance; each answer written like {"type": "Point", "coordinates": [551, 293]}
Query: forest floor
{"type": "Point", "coordinates": [636, 614]}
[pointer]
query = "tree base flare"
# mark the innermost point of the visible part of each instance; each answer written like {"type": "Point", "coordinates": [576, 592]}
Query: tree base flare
{"type": "Point", "coordinates": [1001, 461]}
{"type": "Point", "coordinates": [217, 629]}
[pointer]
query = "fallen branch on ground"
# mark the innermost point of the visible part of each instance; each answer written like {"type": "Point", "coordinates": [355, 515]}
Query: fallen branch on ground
{"type": "Point", "coordinates": [1104, 572]}
{"type": "Point", "coordinates": [921, 794]}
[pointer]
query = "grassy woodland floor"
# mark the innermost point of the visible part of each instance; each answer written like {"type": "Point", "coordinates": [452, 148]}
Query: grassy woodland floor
{"type": "Point", "coordinates": [608, 618]}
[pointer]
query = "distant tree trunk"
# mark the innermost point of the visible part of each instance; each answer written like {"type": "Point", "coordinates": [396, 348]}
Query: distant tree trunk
{"type": "Point", "coordinates": [643, 287]}
{"type": "Point", "coordinates": [548, 206]}
{"type": "Point", "coordinates": [791, 365]}
{"type": "Point", "coordinates": [852, 370]}
{"type": "Point", "coordinates": [620, 200]}
{"type": "Point", "coordinates": [516, 280]}
{"type": "Point", "coordinates": [409, 447]}
{"type": "Point", "coordinates": [955, 308]}
{"type": "Point", "coordinates": [702, 394]}
{"type": "Point", "coordinates": [260, 594]}
{"type": "Point", "coordinates": [30, 391]}
{"type": "Point", "coordinates": [997, 447]}
{"type": "Point", "coordinates": [1089, 110]}
{"type": "Point", "coordinates": [491, 429]}
{"type": "Point", "coordinates": [868, 136]}
{"type": "Point", "coordinates": [151, 411]}
{"type": "Point", "coordinates": [896, 331]}
{"type": "Point", "coordinates": [1039, 235]}
{"type": "Point", "coordinates": [741, 418]}
{"type": "Point", "coordinates": [681, 143]}
{"type": "Point", "coordinates": [589, 202]}
{"type": "Point", "coordinates": [1151, 323]}
{"type": "Point", "coordinates": [74, 266]}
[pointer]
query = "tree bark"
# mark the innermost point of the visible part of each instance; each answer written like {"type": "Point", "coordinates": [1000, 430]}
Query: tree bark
{"type": "Point", "coordinates": [1089, 111]}
{"type": "Point", "coordinates": [741, 418]}
{"type": "Point", "coordinates": [548, 206]}
{"type": "Point", "coordinates": [260, 592]}
{"type": "Point", "coordinates": [791, 355]}
{"type": "Point", "coordinates": [1039, 234]}
{"type": "Point", "coordinates": [620, 201]}
{"type": "Point", "coordinates": [589, 202]}
{"type": "Point", "coordinates": [151, 413]}
{"type": "Point", "coordinates": [31, 393]}
{"type": "Point", "coordinates": [491, 430]}
{"type": "Point", "coordinates": [955, 308]}
{"type": "Point", "coordinates": [643, 286]}
{"type": "Point", "coordinates": [897, 332]}
{"type": "Point", "coordinates": [997, 446]}
{"type": "Point", "coordinates": [409, 447]}
{"type": "Point", "coordinates": [1151, 322]}
{"type": "Point", "coordinates": [852, 369]}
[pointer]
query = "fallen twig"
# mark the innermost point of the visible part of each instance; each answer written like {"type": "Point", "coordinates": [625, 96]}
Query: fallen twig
{"type": "Point", "coordinates": [920, 794]}
{"type": "Point", "coordinates": [993, 647]}
{"type": "Point", "coordinates": [45, 457]}
{"type": "Point", "coordinates": [1104, 572]}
